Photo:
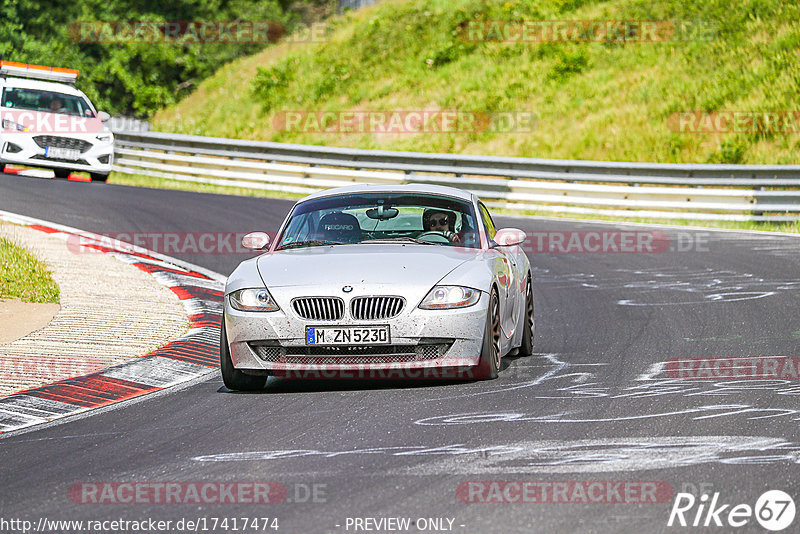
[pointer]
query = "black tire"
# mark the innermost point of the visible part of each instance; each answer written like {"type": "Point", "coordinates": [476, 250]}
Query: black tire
{"type": "Point", "coordinates": [98, 177]}
{"type": "Point", "coordinates": [62, 173]}
{"type": "Point", "coordinates": [489, 365]}
{"type": "Point", "coordinates": [232, 377]}
{"type": "Point", "coordinates": [528, 326]}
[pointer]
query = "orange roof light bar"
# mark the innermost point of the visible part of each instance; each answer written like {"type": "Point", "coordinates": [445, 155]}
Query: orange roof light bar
{"type": "Point", "coordinates": [41, 72]}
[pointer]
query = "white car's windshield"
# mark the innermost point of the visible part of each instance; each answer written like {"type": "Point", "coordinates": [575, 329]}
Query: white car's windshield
{"type": "Point", "coordinates": [382, 217]}
{"type": "Point", "coordinates": [47, 101]}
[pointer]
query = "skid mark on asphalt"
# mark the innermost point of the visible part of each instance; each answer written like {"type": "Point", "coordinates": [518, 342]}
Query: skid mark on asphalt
{"type": "Point", "coordinates": [698, 412]}
{"type": "Point", "coordinates": [683, 286]}
{"type": "Point", "coordinates": [554, 368]}
{"type": "Point", "coordinates": [617, 454]}
{"type": "Point", "coordinates": [565, 384]}
{"type": "Point", "coordinates": [553, 456]}
{"type": "Point", "coordinates": [655, 382]}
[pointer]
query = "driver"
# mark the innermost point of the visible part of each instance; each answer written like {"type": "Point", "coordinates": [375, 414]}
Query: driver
{"type": "Point", "coordinates": [57, 105]}
{"type": "Point", "coordinates": [441, 221]}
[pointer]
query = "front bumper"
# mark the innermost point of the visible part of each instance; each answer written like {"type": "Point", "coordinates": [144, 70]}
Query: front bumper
{"type": "Point", "coordinates": [424, 344]}
{"type": "Point", "coordinates": [21, 149]}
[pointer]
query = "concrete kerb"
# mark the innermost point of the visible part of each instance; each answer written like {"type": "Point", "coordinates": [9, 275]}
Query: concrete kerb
{"type": "Point", "coordinates": [182, 358]}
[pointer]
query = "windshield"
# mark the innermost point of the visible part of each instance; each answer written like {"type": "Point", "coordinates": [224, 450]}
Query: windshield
{"type": "Point", "coordinates": [379, 218]}
{"type": "Point", "coordinates": [47, 101]}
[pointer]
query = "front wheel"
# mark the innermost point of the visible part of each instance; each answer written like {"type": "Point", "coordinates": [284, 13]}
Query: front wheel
{"type": "Point", "coordinates": [98, 177]}
{"type": "Point", "coordinates": [489, 365]}
{"type": "Point", "coordinates": [526, 349]}
{"type": "Point", "coordinates": [232, 377]}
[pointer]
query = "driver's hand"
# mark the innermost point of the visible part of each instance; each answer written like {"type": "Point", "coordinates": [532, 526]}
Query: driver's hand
{"type": "Point", "coordinates": [452, 236]}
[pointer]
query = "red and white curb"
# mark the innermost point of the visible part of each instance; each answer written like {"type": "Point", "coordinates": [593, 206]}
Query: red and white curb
{"type": "Point", "coordinates": [31, 173]}
{"type": "Point", "coordinates": [193, 355]}
{"type": "Point", "coordinates": [42, 173]}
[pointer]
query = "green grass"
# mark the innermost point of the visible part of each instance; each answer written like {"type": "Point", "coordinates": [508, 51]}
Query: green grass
{"type": "Point", "coordinates": [604, 101]}
{"type": "Point", "coordinates": [601, 101]}
{"type": "Point", "coordinates": [24, 277]}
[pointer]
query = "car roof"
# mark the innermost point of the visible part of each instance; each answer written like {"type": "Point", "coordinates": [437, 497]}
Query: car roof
{"type": "Point", "coordinates": [393, 188]}
{"type": "Point", "coordinates": [28, 83]}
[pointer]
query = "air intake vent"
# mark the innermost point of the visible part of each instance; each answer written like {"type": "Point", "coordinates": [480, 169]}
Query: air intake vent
{"type": "Point", "coordinates": [319, 308]}
{"type": "Point", "coordinates": [366, 308]}
{"type": "Point", "coordinates": [268, 353]}
{"type": "Point", "coordinates": [365, 354]}
{"type": "Point", "coordinates": [62, 142]}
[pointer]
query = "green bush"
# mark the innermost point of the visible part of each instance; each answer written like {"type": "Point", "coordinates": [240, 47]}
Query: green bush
{"type": "Point", "coordinates": [134, 78]}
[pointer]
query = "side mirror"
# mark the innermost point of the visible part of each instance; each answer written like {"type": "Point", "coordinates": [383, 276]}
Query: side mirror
{"type": "Point", "coordinates": [256, 241]}
{"type": "Point", "coordinates": [103, 116]}
{"type": "Point", "coordinates": [509, 237]}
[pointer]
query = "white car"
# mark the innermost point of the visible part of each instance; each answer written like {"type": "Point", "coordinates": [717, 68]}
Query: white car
{"type": "Point", "coordinates": [368, 281]}
{"type": "Point", "coordinates": [46, 122]}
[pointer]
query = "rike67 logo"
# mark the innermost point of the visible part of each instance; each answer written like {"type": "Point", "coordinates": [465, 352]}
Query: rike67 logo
{"type": "Point", "coordinates": [774, 510]}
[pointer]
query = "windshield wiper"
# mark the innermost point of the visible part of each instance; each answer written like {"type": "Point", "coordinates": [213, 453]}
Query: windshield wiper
{"type": "Point", "coordinates": [402, 238]}
{"type": "Point", "coordinates": [308, 243]}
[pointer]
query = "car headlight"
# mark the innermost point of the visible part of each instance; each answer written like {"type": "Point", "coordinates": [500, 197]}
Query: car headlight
{"type": "Point", "coordinates": [105, 137]}
{"type": "Point", "coordinates": [11, 125]}
{"type": "Point", "coordinates": [446, 297]}
{"type": "Point", "coordinates": [253, 300]}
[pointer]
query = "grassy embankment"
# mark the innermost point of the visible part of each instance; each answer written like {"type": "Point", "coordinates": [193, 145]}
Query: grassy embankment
{"type": "Point", "coordinates": [592, 100]}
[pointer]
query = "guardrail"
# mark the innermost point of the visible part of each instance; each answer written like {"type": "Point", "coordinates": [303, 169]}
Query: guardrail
{"type": "Point", "coordinates": [652, 190]}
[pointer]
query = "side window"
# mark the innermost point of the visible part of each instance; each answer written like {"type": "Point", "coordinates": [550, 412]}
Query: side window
{"type": "Point", "coordinates": [487, 221]}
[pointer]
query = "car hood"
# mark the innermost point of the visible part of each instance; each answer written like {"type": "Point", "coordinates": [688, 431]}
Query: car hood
{"type": "Point", "coordinates": [363, 264]}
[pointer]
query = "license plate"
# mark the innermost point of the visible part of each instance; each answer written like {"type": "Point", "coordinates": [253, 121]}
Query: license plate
{"type": "Point", "coordinates": [348, 335]}
{"type": "Point", "coordinates": [61, 153]}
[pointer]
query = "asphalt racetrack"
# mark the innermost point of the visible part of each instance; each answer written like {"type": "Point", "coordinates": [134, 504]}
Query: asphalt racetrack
{"type": "Point", "coordinates": [599, 431]}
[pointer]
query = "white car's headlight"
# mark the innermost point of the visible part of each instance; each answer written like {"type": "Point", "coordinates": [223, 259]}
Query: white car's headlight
{"type": "Point", "coordinates": [446, 297]}
{"type": "Point", "coordinates": [11, 125]}
{"type": "Point", "coordinates": [253, 300]}
{"type": "Point", "coordinates": [105, 137]}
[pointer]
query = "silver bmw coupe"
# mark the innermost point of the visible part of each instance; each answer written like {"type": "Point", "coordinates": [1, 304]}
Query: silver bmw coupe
{"type": "Point", "coordinates": [378, 281]}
